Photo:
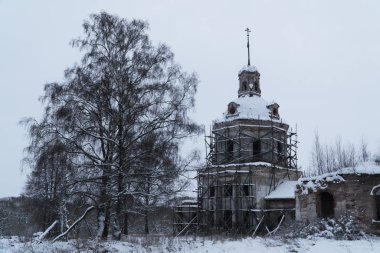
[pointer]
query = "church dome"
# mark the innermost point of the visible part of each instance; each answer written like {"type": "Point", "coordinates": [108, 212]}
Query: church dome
{"type": "Point", "coordinates": [248, 68]}
{"type": "Point", "coordinates": [251, 107]}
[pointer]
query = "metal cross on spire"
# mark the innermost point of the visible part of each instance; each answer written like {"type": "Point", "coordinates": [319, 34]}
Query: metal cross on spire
{"type": "Point", "coordinates": [249, 56]}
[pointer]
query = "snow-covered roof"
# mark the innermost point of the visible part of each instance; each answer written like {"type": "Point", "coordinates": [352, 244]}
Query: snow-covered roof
{"type": "Point", "coordinates": [369, 167]}
{"type": "Point", "coordinates": [318, 182]}
{"type": "Point", "coordinates": [285, 190]}
{"type": "Point", "coordinates": [321, 181]}
{"type": "Point", "coordinates": [250, 68]}
{"type": "Point", "coordinates": [364, 168]}
{"type": "Point", "coordinates": [248, 107]}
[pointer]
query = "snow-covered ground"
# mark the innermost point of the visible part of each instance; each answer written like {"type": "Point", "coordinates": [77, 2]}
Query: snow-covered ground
{"type": "Point", "coordinates": [195, 245]}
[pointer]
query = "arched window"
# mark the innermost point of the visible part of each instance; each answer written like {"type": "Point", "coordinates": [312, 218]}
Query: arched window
{"type": "Point", "coordinates": [256, 150]}
{"type": "Point", "coordinates": [245, 86]}
{"type": "Point", "coordinates": [231, 108]}
{"type": "Point", "coordinates": [279, 147]}
{"type": "Point", "coordinates": [275, 111]}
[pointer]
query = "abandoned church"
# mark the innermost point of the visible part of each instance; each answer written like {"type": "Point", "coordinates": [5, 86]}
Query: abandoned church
{"type": "Point", "coordinates": [251, 182]}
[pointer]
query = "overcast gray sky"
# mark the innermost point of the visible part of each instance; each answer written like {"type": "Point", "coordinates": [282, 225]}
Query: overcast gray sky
{"type": "Point", "coordinates": [319, 60]}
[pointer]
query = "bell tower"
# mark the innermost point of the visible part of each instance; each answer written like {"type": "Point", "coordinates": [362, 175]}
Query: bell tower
{"type": "Point", "coordinates": [249, 77]}
{"type": "Point", "coordinates": [249, 82]}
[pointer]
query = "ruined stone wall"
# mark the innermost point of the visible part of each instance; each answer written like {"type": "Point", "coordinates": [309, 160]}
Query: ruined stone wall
{"type": "Point", "coordinates": [350, 196]}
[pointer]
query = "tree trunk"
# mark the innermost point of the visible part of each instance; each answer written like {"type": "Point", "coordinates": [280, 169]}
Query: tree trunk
{"type": "Point", "coordinates": [118, 220]}
{"type": "Point", "coordinates": [106, 222]}
{"type": "Point", "coordinates": [146, 211]}
{"type": "Point", "coordinates": [125, 227]}
{"type": "Point", "coordinates": [146, 222]}
{"type": "Point", "coordinates": [63, 215]}
{"type": "Point", "coordinates": [120, 176]}
{"type": "Point", "coordinates": [104, 210]}
{"type": "Point", "coordinates": [74, 224]}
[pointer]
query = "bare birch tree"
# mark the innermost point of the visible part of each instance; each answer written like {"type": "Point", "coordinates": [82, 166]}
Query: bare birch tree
{"type": "Point", "coordinates": [328, 158]}
{"type": "Point", "coordinates": [124, 93]}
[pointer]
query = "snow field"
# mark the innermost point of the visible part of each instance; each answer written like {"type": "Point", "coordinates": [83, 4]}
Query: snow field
{"type": "Point", "coordinates": [153, 244]}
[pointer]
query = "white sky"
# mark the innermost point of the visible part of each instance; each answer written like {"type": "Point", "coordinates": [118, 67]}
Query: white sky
{"type": "Point", "coordinates": [320, 60]}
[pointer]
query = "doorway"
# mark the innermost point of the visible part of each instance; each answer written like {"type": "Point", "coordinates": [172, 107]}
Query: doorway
{"type": "Point", "coordinates": [326, 205]}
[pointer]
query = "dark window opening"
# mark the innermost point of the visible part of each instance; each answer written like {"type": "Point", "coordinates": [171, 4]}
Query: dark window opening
{"type": "Point", "coordinates": [212, 191]}
{"type": "Point", "coordinates": [210, 217]}
{"type": "Point", "coordinates": [280, 151]}
{"type": "Point", "coordinates": [327, 205]}
{"type": "Point", "coordinates": [279, 147]}
{"type": "Point", "coordinates": [275, 112]}
{"type": "Point", "coordinates": [230, 150]}
{"type": "Point", "coordinates": [244, 86]}
{"type": "Point", "coordinates": [377, 203]}
{"type": "Point", "coordinates": [256, 150]}
{"type": "Point", "coordinates": [256, 87]}
{"type": "Point", "coordinates": [180, 216]}
{"type": "Point", "coordinates": [279, 218]}
{"type": "Point", "coordinates": [231, 108]}
{"type": "Point", "coordinates": [245, 190]}
{"type": "Point", "coordinates": [227, 218]}
{"type": "Point", "coordinates": [247, 219]}
{"type": "Point", "coordinates": [228, 190]}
